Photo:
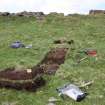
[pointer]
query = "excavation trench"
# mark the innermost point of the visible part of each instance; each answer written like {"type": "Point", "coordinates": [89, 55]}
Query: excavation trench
{"type": "Point", "coordinates": [31, 79]}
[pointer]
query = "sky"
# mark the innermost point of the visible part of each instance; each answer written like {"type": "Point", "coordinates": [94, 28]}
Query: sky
{"type": "Point", "coordinates": [46, 6]}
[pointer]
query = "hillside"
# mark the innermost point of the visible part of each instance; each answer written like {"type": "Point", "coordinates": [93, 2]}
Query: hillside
{"type": "Point", "coordinates": [85, 31]}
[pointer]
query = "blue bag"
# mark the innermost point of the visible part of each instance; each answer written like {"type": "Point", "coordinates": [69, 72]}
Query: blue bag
{"type": "Point", "coordinates": [17, 44]}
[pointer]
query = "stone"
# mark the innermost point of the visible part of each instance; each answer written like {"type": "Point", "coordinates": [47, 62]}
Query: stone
{"type": "Point", "coordinates": [94, 12]}
{"type": "Point", "coordinates": [5, 14]}
{"type": "Point", "coordinates": [52, 99]}
{"type": "Point", "coordinates": [51, 104]}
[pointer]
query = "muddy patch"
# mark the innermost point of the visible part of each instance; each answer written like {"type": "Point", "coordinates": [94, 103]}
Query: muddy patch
{"type": "Point", "coordinates": [31, 85]}
{"type": "Point", "coordinates": [62, 41]}
{"type": "Point", "coordinates": [53, 60]}
{"type": "Point", "coordinates": [31, 79]}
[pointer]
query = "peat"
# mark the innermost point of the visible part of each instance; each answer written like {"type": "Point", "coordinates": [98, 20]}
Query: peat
{"type": "Point", "coordinates": [33, 79]}
{"type": "Point", "coordinates": [62, 41]}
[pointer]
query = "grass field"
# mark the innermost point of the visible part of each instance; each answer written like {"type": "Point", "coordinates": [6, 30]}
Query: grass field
{"type": "Point", "coordinates": [86, 31]}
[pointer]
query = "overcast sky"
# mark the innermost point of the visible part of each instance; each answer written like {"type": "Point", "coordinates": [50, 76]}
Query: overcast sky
{"type": "Point", "coordinates": [64, 6]}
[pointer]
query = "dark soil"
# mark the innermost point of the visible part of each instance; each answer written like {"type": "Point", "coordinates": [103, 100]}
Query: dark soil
{"type": "Point", "coordinates": [29, 85]}
{"type": "Point", "coordinates": [53, 60]}
{"type": "Point", "coordinates": [63, 41]}
{"type": "Point", "coordinates": [31, 79]}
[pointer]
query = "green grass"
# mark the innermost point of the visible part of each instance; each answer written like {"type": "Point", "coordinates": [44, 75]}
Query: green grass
{"type": "Point", "coordinates": [86, 31]}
